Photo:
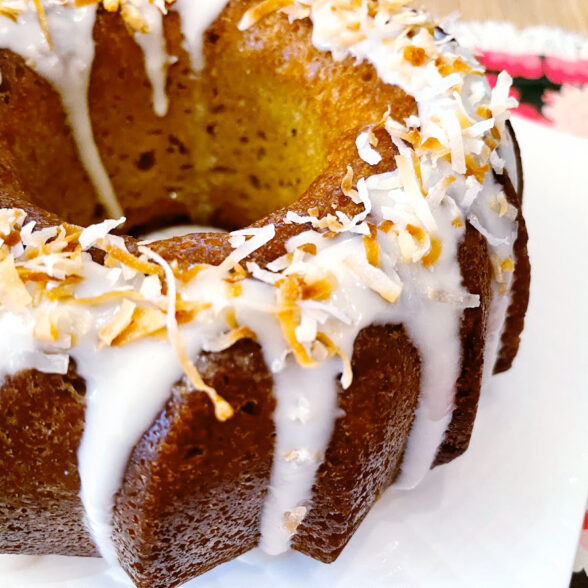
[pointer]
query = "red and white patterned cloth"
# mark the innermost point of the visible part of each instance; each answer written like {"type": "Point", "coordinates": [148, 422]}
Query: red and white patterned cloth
{"type": "Point", "coordinates": [581, 565]}
{"type": "Point", "coordinates": [549, 68]}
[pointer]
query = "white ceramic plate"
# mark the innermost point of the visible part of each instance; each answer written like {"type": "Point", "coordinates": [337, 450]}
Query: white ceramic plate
{"type": "Point", "coordinates": [507, 513]}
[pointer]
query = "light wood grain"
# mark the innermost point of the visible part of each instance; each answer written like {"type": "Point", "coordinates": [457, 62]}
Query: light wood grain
{"type": "Point", "coordinates": [567, 14]}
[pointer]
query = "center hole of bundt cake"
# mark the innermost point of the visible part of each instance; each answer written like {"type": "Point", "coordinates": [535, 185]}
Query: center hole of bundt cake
{"type": "Point", "coordinates": [240, 157]}
{"type": "Point", "coordinates": [231, 168]}
{"type": "Point", "coordinates": [240, 166]}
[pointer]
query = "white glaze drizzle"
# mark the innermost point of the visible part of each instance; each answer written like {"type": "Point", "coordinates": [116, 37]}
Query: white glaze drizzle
{"type": "Point", "coordinates": [121, 403]}
{"type": "Point", "coordinates": [196, 17]}
{"type": "Point", "coordinates": [501, 297]}
{"type": "Point", "coordinates": [430, 296]}
{"type": "Point", "coordinates": [333, 31]}
{"type": "Point", "coordinates": [152, 42]}
{"type": "Point", "coordinates": [67, 66]}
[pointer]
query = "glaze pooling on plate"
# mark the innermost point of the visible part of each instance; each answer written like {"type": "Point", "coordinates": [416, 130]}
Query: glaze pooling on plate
{"type": "Point", "coordinates": [395, 262]}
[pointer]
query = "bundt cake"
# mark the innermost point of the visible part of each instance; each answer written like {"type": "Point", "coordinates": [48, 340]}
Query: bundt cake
{"type": "Point", "coordinates": [171, 405]}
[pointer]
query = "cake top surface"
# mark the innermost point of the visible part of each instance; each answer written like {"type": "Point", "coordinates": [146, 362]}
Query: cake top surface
{"type": "Point", "coordinates": [68, 291]}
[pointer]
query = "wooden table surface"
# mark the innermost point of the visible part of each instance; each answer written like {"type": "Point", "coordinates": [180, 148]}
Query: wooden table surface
{"type": "Point", "coordinates": [567, 14]}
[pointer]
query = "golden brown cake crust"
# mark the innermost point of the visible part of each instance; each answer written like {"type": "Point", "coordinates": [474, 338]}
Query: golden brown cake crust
{"type": "Point", "coordinates": [194, 487]}
{"type": "Point", "coordinates": [41, 424]}
{"type": "Point", "coordinates": [520, 289]}
{"type": "Point", "coordinates": [368, 443]}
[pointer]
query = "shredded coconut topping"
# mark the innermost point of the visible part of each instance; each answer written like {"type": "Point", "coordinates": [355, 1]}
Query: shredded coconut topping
{"type": "Point", "coordinates": [393, 250]}
{"type": "Point", "coordinates": [444, 159]}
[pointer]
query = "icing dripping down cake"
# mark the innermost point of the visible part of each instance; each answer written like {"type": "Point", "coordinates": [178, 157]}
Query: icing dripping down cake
{"type": "Point", "coordinates": [183, 401]}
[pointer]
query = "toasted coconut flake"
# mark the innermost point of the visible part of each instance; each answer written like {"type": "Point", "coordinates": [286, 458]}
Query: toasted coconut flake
{"type": "Point", "coordinates": [498, 164]}
{"type": "Point", "coordinates": [492, 239]}
{"type": "Point", "coordinates": [133, 18]}
{"type": "Point", "coordinates": [347, 375]}
{"type": "Point", "coordinates": [372, 249]}
{"type": "Point", "coordinates": [288, 314]}
{"type": "Point", "coordinates": [396, 129]}
{"type": "Point", "coordinates": [235, 290]}
{"type": "Point", "coordinates": [306, 331]}
{"type": "Point", "coordinates": [36, 240]}
{"type": "Point", "coordinates": [507, 265]}
{"type": "Point", "coordinates": [28, 275]}
{"type": "Point", "coordinates": [447, 66]}
{"type": "Point", "coordinates": [13, 292]}
{"type": "Point", "coordinates": [309, 248]}
{"type": "Point", "coordinates": [11, 12]}
{"type": "Point", "coordinates": [389, 288]}
{"type": "Point", "coordinates": [48, 363]}
{"type": "Point", "coordinates": [65, 290]}
{"type": "Point", "coordinates": [261, 274]}
{"type": "Point", "coordinates": [319, 289]}
{"type": "Point", "coordinates": [44, 23]}
{"type": "Point", "coordinates": [229, 339]}
{"type": "Point", "coordinates": [365, 149]}
{"type": "Point", "coordinates": [416, 56]}
{"type": "Point", "coordinates": [347, 185]}
{"type": "Point", "coordinates": [11, 221]}
{"type": "Point", "coordinates": [462, 300]}
{"type": "Point", "coordinates": [499, 101]}
{"type": "Point", "coordinates": [416, 232]}
{"type": "Point", "coordinates": [293, 518]}
{"type": "Point", "coordinates": [94, 233]}
{"type": "Point", "coordinates": [386, 226]}
{"type": "Point", "coordinates": [414, 243]}
{"type": "Point", "coordinates": [476, 170]}
{"type": "Point", "coordinates": [189, 274]}
{"type": "Point", "coordinates": [478, 129]}
{"type": "Point", "coordinates": [280, 263]}
{"type": "Point", "coordinates": [260, 236]}
{"type": "Point", "coordinates": [111, 5]}
{"type": "Point", "coordinates": [434, 253]}
{"type": "Point", "coordinates": [297, 10]}
{"type": "Point", "coordinates": [110, 296]}
{"type": "Point", "coordinates": [454, 134]}
{"type": "Point", "coordinates": [151, 288]}
{"type": "Point", "coordinates": [261, 10]}
{"type": "Point", "coordinates": [129, 260]}
{"type": "Point", "coordinates": [146, 322]}
{"type": "Point", "coordinates": [45, 328]}
{"type": "Point", "coordinates": [222, 409]}
{"type": "Point", "coordinates": [187, 310]}
{"type": "Point", "coordinates": [120, 321]}
{"type": "Point", "coordinates": [502, 207]}
{"type": "Point", "coordinates": [413, 190]}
